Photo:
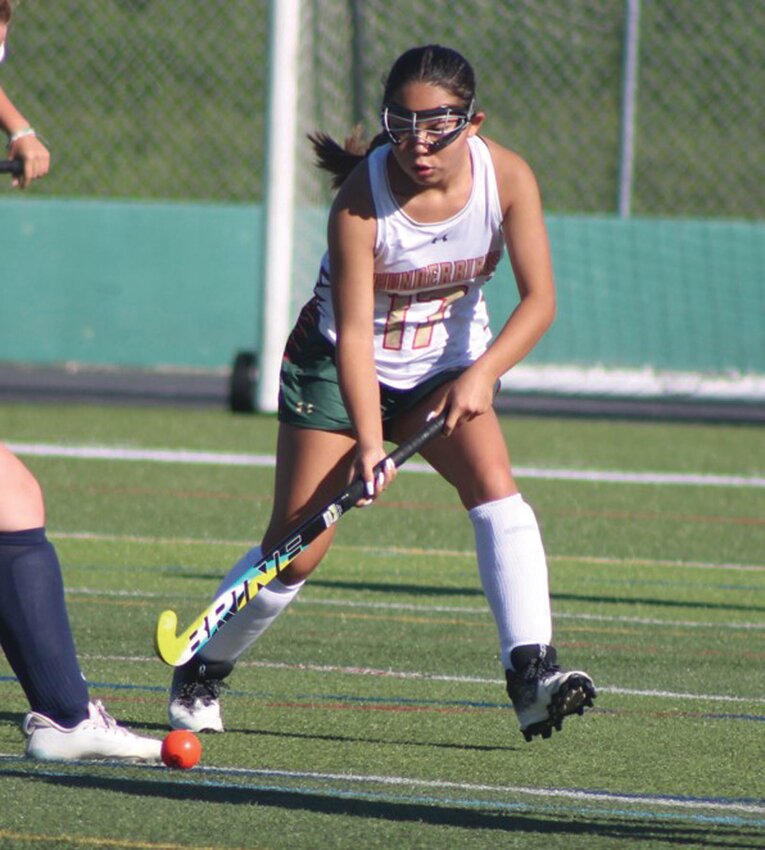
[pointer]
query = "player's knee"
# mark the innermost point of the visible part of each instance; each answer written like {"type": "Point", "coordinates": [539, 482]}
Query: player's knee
{"type": "Point", "coordinates": [298, 571]}
{"type": "Point", "coordinates": [31, 493]}
{"type": "Point", "coordinates": [493, 485]}
{"type": "Point", "coordinates": [21, 498]}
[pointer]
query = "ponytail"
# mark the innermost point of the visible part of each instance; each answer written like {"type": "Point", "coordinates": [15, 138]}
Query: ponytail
{"type": "Point", "coordinates": [340, 160]}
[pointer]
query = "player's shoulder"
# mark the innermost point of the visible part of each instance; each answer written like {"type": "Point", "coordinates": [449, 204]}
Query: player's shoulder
{"type": "Point", "coordinates": [352, 218]}
{"type": "Point", "coordinates": [354, 196]}
{"type": "Point", "coordinates": [514, 174]}
{"type": "Point", "coordinates": [508, 163]}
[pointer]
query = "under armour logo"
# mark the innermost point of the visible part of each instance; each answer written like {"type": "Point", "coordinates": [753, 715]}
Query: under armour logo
{"type": "Point", "coordinates": [439, 239]}
{"type": "Point", "coordinates": [305, 407]}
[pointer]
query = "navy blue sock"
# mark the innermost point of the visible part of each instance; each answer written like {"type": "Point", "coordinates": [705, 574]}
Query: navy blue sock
{"type": "Point", "coordinates": [34, 627]}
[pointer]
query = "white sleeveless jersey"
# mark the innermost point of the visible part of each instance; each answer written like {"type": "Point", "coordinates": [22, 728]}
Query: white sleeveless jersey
{"type": "Point", "coordinates": [430, 314]}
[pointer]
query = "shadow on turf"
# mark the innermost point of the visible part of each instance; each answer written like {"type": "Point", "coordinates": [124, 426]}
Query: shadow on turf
{"type": "Point", "coordinates": [432, 590]}
{"type": "Point", "coordinates": [618, 828]}
{"type": "Point", "coordinates": [375, 587]}
{"type": "Point", "coordinates": [660, 603]}
{"type": "Point", "coordinates": [348, 739]}
{"type": "Point", "coordinates": [16, 719]}
{"type": "Point", "coordinates": [435, 590]}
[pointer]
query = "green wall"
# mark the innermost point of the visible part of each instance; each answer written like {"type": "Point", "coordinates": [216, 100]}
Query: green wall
{"type": "Point", "coordinates": [131, 284]}
{"type": "Point", "coordinates": [158, 284]}
{"type": "Point", "coordinates": [677, 295]}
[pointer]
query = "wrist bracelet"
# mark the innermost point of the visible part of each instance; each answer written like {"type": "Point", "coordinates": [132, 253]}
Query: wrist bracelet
{"type": "Point", "coordinates": [20, 134]}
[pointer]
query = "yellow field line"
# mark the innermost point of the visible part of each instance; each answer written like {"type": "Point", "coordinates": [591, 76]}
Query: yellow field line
{"type": "Point", "coordinates": [83, 841]}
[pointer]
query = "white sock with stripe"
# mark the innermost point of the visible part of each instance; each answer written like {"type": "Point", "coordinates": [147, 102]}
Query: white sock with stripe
{"type": "Point", "coordinates": [249, 623]}
{"type": "Point", "coordinates": [513, 570]}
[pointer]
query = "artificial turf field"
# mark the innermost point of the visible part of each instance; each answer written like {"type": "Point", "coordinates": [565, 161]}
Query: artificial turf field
{"type": "Point", "coordinates": [373, 714]}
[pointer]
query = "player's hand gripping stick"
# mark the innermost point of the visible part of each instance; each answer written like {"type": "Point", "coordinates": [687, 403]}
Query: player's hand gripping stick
{"type": "Point", "coordinates": [11, 166]}
{"type": "Point", "coordinates": [176, 650]}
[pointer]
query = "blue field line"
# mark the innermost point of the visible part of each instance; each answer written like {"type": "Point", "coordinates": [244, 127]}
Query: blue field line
{"type": "Point", "coordinates": [757, 718]}
{"type": "Point", "coordinates": [113, 686]}
{"type": "Point", "coordinates": [349, 698]}
{"type": "Point", "coordinates": [495, 805]}
{"type": "Point", "coordinates": [362, 700]}
{"type": "Point", "coordinates": [464, 802]}
{"type": "Point", "coordinates": [454, 703]}
{"type": "Point", "coordinates": [472, 704]}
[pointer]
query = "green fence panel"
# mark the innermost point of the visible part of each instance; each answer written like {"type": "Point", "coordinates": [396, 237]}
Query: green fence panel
{"type": "Point", "coordinates": [674, 295]}
{"type": "Point", "coordinates": [129, 284]}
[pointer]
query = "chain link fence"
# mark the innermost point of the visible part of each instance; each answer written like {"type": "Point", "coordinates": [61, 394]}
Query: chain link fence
{"type": "Point", "coordinates": [144, 98]}
{"type": "Point", "coordinates": [165, 99]}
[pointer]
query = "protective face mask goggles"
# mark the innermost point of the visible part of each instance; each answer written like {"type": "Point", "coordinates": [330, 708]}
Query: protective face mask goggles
{"type": "Point", "coordinates": [435, 128]}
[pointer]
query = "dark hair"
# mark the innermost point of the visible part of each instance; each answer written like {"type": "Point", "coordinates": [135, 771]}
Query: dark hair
{"type": "Point", "coordinates": [431, 63]}
{"type": "Point", "coordinates": [434, 64]}
{"type": "Point", "coordinates": [6, 11]}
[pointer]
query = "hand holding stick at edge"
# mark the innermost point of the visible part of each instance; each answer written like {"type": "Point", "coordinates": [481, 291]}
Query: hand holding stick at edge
{"type": "Point", "coordinates": [177, 649]}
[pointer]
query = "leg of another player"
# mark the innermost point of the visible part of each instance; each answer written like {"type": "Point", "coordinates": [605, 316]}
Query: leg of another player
{"type": "Point", "coordinates": [34, 625]}
{"type": "Point", "coordinates": [37, 638]}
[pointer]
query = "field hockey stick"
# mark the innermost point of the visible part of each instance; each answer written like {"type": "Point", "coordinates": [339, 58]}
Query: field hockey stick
{"type": "Point", "coordinates": [11, 166]}
{"type": "Point", "coordinates": [175, 649]}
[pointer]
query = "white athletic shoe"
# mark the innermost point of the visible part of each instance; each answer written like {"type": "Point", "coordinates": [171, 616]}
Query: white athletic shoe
{"type": "Point", "coordinates": [195, 700]}
{"type": "Point", "coordinates": [97, 737]}
{"type": "Point", "coordinates": [542, 694]}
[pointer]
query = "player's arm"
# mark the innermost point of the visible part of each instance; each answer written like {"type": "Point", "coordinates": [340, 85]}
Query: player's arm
{"type": "Point", "coordinates": [526, 239]}
{"type": "Point", "coordinates": [529, 250]}
{"type": "Point", "coordinates": [351, 239]}
{"type": "Point", "coordinates": [23, 143]}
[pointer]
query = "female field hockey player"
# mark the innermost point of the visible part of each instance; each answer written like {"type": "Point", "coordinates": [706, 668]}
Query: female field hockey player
{"type": "Point", "coordinates": [34, 625]}
{"type": "Point", "coordinates": [397, 329]}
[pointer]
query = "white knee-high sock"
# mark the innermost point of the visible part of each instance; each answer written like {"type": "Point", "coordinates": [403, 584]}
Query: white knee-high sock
{"type": "Point", "coordinates": [250, 623]}
{"type": "Point", "coordinates": [513, 571]}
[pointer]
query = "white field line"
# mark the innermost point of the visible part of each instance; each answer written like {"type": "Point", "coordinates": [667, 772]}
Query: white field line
{"type": "Point", "coordinates": [700, 804]}
{"type": "Point", "coordinates": [416, 675]}
{"type": "Point", "coordinates": [234, 459]}
{"type": "Point", "coordinates": [406, 551]}
{"type": "Point", "coordinates": [471, 680]}
{"type": "Point", "coordinates": [306, 599]}
{"type": "Point", "coordinates": [504, 790]}
{"type": "Point", "coordinates": [242, 459]}
{"type": "Point", "coordinates": [456, 609]}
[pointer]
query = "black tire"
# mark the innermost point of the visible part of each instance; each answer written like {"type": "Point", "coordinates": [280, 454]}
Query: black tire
{"type": "Point", "coordinates": [244, 379]}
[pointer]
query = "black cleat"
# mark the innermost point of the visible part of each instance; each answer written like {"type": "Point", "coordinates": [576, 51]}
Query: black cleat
{"type": "Point", "coordinates": [195, 696]}
{"type": "Point", "coordinates": [542, 694]}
